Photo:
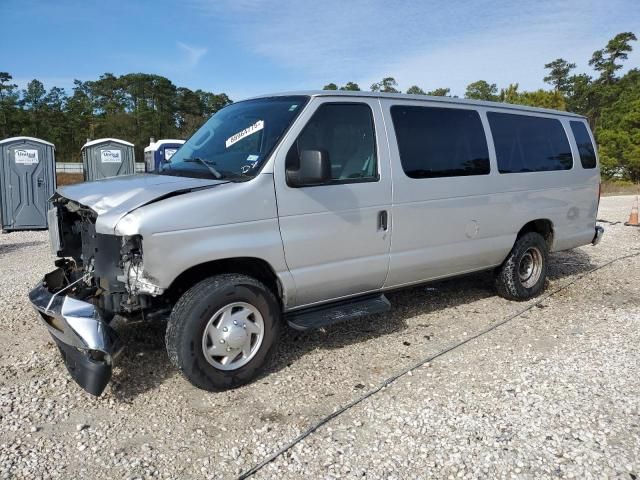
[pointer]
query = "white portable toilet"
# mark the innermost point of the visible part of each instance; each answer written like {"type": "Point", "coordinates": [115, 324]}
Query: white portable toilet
{"type": "Point", "coordinates": [27, 181]}
{"type": "Point", "coordinates": [159, 152]}
{"type": "Point", "coordinates": [108, 157]}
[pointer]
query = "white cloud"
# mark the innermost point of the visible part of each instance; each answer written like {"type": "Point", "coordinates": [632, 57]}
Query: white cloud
{"type": "Point", "coordinates": [513, 53]}
{"type": "Point", "coordinates": [438, 43]}
{"type": "Point", "coordinates": [192, 55]}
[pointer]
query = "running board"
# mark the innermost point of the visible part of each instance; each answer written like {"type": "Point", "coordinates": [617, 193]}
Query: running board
{"type": "Point", "coordinates": [323, 315]}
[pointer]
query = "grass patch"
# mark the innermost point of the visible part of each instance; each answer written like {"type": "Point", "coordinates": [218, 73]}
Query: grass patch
{"type": "Point", "coordinates": [619, 187]}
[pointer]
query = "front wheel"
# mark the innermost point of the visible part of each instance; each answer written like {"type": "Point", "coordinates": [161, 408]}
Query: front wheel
{"type": "Point", "coordinates": [223, 331]}
{"type": "Point", "coordinates": [523, 273]}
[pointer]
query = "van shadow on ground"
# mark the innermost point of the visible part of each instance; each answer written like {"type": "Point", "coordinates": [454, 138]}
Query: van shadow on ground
{"type": "Point", "coordinates": [144, 365]}
{"type": "Point", "coordinates": [570, 262]}
{"type": "Point", "coordinates": [13, 247]}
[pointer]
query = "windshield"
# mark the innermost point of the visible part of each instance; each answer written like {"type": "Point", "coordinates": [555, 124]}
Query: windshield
{"type": "Point", "coordinates": [235, 141]}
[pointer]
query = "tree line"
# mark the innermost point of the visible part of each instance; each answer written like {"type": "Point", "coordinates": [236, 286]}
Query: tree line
{"type": "Point", "coordinates": [610, 101]}
{"type": "Point", "coordinates": [132, 107]}
{"type": "Point", "coordinates": [138, 106]}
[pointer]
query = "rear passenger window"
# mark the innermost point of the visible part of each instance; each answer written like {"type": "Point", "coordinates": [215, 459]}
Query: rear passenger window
{"type": "Point", "coordinates": [526, 143]}
{"type": "Point", "coordinates": [585, 145]}
{"type": "Point", "coordinates": [345, 131]}
{"type": "Point", "coordinates": [440, 142]}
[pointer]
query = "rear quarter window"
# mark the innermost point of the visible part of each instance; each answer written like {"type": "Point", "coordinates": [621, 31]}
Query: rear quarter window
{"type": "Point", "coordinates": [440, 142]}
{"type": "Point", "coordinates": [586, 149]}
{"type": "Point", "coordinates": [526, 143]}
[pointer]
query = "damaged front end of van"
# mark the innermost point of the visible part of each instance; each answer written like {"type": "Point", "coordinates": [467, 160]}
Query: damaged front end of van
{"type": "Point", "coordinates": [99, 271]}
{"type": "Point", "coordinates": [87, 288]}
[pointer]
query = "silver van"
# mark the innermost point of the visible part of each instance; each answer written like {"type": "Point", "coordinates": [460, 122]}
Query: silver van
{"type": "Point", "coordinates": [304, 209]}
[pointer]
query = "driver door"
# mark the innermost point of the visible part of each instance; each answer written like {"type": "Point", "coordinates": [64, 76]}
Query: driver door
{"type": "Point", "coordinates": [337, 235]}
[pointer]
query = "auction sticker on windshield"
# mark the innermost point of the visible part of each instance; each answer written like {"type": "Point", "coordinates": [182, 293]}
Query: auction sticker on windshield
{"type": "Point", "coordinates": [250, 130]}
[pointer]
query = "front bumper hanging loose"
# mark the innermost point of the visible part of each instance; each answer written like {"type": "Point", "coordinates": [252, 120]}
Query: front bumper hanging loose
{"type": "Point", "coordinates": [87, 343]}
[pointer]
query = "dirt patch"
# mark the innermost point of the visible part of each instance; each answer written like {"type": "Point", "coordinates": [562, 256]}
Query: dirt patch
{"type": "Point", "coordinates": [69, 178]}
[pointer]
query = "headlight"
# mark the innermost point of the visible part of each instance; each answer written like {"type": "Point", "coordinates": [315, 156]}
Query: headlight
{"type": "Point", "coordinates": [137, 282]}
{"type": "Point", "coordinates": [134, 277]}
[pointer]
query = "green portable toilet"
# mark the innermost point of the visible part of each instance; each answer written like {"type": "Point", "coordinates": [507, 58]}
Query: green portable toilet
{"type": "Point", "coordinates": [27, 181]}
{"type": "Point", "coordinates": [107, 157]}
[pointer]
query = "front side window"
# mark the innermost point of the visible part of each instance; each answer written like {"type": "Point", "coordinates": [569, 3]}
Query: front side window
{"type": "Point", "coordinates": [525, 143]}
{"type": "Point", "coordinates": [345, 131]}
{"type": "Point", "coordinates": [585, 145]}
{"type": "Point", "coordinates": [440, 142]}
{"type": "Point", "coordinates": [237, 140]}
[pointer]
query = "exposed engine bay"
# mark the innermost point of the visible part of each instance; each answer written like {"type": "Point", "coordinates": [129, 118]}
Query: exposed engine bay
{"type": "Point", "coordinates": [105, 270]}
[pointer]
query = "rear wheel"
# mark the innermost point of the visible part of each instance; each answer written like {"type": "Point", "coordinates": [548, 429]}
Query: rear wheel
{"type": "Point", "coordinates": [223, 331]}
{"type": "Point", "coordinates": [523, 273]}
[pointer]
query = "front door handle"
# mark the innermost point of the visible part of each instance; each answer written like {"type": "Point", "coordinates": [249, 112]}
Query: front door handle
{"type": "Point", "coordinates": [383, 220]}
{"type": "Point", "coordinates": [40, 182]}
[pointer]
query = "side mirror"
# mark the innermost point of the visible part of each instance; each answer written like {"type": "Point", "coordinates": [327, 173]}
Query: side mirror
{"type": "Point", "coordinates": [314, 169]}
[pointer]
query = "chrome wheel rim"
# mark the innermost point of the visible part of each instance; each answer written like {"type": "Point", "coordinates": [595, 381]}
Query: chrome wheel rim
{"type": "Point", "coordinates": [233, 336]}
{"type": "Point", "coordinates": [530, 267]}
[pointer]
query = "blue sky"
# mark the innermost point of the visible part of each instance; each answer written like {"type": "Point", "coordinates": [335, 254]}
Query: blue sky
{"type": "Point", "coordinates": [249, 47]}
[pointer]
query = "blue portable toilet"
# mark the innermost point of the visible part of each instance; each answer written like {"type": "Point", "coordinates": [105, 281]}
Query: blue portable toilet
{"type": "Point", "coordinates": [159, 152]}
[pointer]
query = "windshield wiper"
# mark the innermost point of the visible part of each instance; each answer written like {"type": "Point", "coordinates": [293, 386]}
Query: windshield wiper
{"type": "Point", "coordinates": [210, 167]}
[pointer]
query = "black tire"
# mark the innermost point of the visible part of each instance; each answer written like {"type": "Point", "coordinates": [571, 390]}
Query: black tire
{"type": "Point", "coordinates": [191, 315]}
{"type": "Point", "coordinates": [509, 282]}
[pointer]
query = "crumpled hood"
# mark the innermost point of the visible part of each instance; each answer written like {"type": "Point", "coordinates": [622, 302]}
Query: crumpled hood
{"type": "Point", "coordinates": [113, 198]}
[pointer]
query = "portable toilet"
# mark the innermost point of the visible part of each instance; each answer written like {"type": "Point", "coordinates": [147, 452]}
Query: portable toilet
{"type": "Point", "coordinates": [107, 157]}
{"type": "Point", "coordinates": [159, 152]}
{"type": "Point", "coordinates": [27, 180]}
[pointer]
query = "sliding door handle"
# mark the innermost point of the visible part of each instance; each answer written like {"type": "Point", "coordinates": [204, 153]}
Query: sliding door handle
{"type": "Point", "coordinates": [383, 220]}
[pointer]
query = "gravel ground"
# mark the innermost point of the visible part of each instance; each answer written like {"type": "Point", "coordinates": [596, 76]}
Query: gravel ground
{"type": "Point", "coordinates": [552, 393]}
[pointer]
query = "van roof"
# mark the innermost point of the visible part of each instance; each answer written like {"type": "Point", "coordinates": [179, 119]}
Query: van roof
{"type": "Point", "coordinates": [404, 96]}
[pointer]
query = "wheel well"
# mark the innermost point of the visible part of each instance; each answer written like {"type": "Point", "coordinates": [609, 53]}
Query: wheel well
{"type": "Point", "coordinates": [542, 226]}
{"type": "Point", "coordinates": [252, 267]}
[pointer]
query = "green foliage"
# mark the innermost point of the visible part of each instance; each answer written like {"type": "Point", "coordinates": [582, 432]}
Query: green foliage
{"type": "Point", "coordinates": [351, 86]}
{"type": "Point", "coordinates": [439, 92]}
{"type": "Point", "coordinates": [509, 94]}
{"type": "Point", "coordinates": [543, 99]}
{"type": "Point", "coordinates": [612, 105]}
{"type": "Point", "coordinates": [606, 61]}
{"type": "Point", "coordinates": [133, 107]}
{"type": "Point", "coordinates": [482, 90]}
{"type": "Point", "coordinates": [387, 85]}
{"type": "Point", "coordinates": [415, 90]}
{"type": "Point", "coordinates": [538, 98]}
{"type": "Point", "coordinates": [8, 104]}
{"type": "Point", "coordinates": [558, 75]}
{"type": "Point", "coordinates": [580, 97]}
{"type": "Point", "coordinates": [618, 132]}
